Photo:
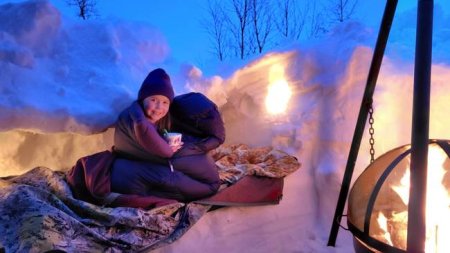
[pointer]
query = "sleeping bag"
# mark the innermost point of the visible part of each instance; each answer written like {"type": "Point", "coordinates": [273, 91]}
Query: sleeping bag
{"type": "Point", "coordinates": [194, 115]}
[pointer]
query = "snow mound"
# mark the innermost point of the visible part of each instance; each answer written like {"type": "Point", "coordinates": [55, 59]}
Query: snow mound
{"type": "Point", "coordinates": [60, 75]}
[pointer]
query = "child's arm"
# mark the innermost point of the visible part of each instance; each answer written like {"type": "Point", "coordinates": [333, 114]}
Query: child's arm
{"type": "Point", "coordinates": [146, 134]}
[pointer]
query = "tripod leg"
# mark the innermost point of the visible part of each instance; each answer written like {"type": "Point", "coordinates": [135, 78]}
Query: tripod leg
{"type": "Point", "coordinates": [374, 70]}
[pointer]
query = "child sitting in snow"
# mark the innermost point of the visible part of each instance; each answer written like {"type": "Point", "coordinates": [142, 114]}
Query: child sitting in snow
{"type": "Point", "coordinates": [146, 165]}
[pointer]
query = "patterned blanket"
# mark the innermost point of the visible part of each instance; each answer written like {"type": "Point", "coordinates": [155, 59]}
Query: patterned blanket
{"type": "Point", "coordinates": [38, 212]}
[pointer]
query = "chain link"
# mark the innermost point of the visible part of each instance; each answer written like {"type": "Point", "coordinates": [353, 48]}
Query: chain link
{"type": "Point", "coordinates": [371, 132]}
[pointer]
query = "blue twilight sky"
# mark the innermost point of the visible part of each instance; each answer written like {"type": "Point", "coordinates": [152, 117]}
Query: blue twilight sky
{"type": "Point", "coordinates": [179, 20]}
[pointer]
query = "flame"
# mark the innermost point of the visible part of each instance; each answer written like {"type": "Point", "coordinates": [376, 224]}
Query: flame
{"type": "Point", "coordinates": [279, 91]}
{"type": "Point", "coordinates": [383, 222]}
{"type": "Point", "coordinates": [437, 206]}
{"type": "Point", "coordinates": [403, 188]}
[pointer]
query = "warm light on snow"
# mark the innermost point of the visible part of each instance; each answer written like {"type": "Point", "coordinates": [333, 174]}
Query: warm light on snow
{"type": "Point", "coordinates": [278, 91]}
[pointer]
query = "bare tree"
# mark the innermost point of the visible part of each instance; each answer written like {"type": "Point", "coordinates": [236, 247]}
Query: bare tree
{"type": "Point", "coordinates": [245, 27]}
{"type": "Point", "coordinates": [291, 20]}
{"type": "Point", "coordinates": [86, 8]}
{"type": "Point", "coordinates": [342, 10]}
{"type": "Point", "coordinates": [262, 22]}
{"type": "Point", "coordinates": [241, 11]}
{"type": "Point", "coordinates": [215, 27]}
{"type": "Point", "coordinates": [316, 19]}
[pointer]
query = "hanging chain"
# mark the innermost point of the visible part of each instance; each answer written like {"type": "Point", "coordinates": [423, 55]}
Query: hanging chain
{"type": "Point", "coordinates": [371, 132]}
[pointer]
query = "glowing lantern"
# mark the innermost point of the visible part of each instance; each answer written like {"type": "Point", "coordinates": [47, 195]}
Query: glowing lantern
{"type": "Point", "coordinates": [279, 92]}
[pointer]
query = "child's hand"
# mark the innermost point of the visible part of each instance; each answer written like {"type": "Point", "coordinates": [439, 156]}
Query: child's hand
{"type": "Point", "coordinates": [175, 148]}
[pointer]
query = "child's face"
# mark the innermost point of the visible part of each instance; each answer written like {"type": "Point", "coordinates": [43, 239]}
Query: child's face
{"type": "Point", "coordinates": [156, 107]}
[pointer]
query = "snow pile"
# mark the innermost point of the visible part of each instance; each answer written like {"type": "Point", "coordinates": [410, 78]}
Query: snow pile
{"type": "Point", "coordinates": [63, 76]}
